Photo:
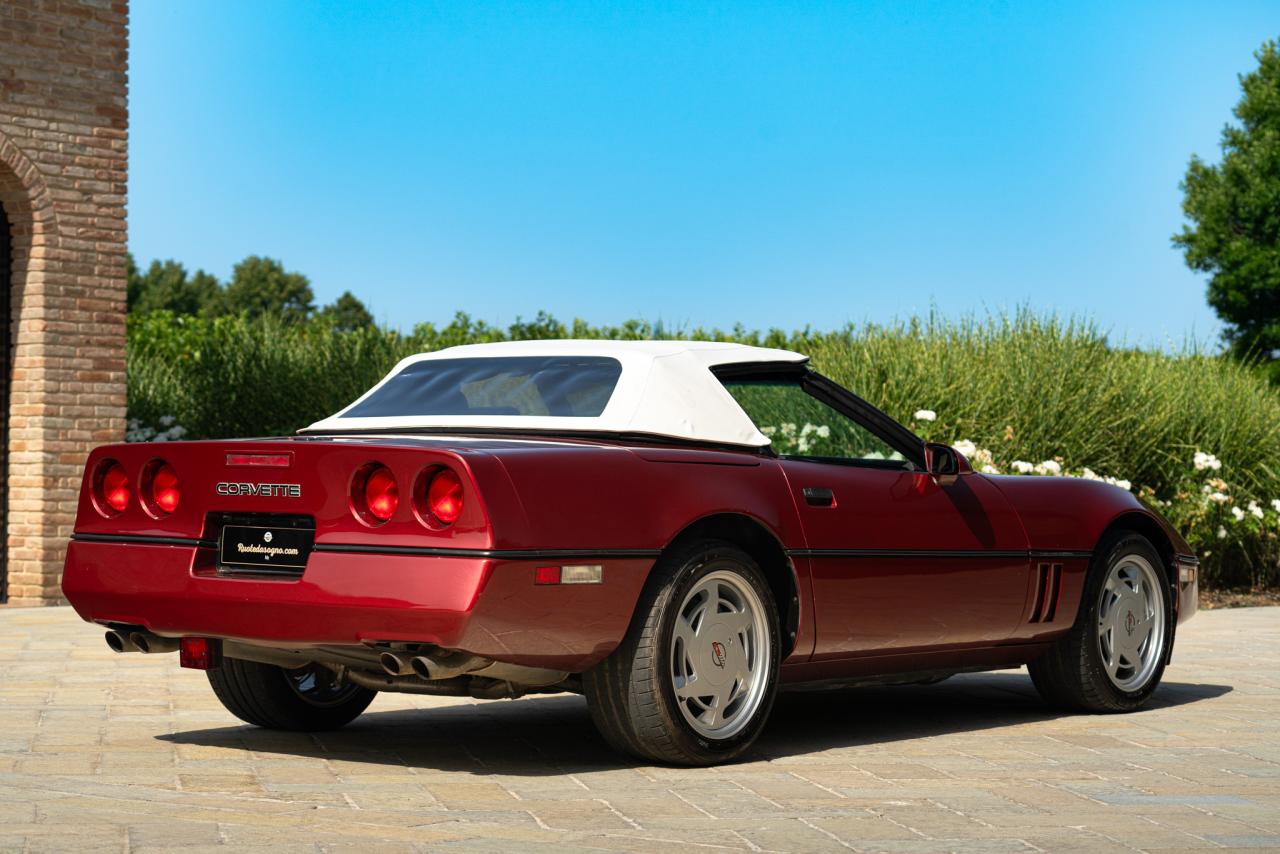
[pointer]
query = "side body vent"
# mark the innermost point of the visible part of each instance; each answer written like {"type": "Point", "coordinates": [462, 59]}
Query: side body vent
{"type": "Point", "coordinates": [1048, 589]}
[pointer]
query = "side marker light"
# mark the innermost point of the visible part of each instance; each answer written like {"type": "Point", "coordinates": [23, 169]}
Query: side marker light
{"type": "Point", "coordinates": [574, 574]}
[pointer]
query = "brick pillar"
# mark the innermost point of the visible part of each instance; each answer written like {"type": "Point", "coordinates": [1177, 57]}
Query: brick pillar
{"type": "Point", "coordinates": [63, 135]}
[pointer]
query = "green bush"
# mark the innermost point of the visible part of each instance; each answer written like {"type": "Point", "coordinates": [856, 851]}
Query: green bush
{"type": "Point", "coordinates": [1019, 393]}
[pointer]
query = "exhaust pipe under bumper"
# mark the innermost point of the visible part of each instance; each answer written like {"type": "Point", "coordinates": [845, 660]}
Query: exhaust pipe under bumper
{"type": "Point", "coordinates": [457, 687]}
{"type": "Point", "coordinates": [396, 665]}
{"type": "Point", "coordinates": [119, 642]}
{"type": "Point", "coordinates": [147, 642]}
{"type": "Point", "coordinates": [446, 666]}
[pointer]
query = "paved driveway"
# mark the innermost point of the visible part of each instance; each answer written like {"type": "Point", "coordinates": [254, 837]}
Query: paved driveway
{"type": "Point", "coordinates": [129, 752]}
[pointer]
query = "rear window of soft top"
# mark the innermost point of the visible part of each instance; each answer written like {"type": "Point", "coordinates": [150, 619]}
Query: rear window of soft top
{"type": "Point", "coordinates": [556, 386]}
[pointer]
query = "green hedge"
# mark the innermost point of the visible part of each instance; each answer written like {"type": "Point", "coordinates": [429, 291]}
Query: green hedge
{"type": "Point", "coordinates": [1018, 392]}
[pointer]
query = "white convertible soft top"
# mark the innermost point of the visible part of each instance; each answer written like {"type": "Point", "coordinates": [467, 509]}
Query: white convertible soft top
{"type": "Point", "coordinates": [665, 388]}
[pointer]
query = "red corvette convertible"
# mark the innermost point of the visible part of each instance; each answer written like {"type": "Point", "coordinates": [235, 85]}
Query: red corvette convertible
{"type": "Point", "coordinates": [672, 529]}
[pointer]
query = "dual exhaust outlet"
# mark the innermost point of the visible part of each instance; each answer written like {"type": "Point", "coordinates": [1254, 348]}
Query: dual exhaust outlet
{"type": "Point", "coordinates": [429, 668]}
{"type": "Point", "coordinates": [139, 641]}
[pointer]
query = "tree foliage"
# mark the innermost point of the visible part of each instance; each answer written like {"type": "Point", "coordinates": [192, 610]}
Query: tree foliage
{"type": "Point", "coordinates": [165, 286]}
{"type": "Point", "coordinates": [1233, 210]}
{"type": "Point", "coordinates": [259, 287]}
{"type": "Point", "coordinates": [346, 313]}
{"type": "Point", "coordinates": [262, 286]}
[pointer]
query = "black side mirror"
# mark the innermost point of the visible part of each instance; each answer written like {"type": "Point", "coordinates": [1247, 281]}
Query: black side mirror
{"type": "Point", "coordinates": [942, 462]}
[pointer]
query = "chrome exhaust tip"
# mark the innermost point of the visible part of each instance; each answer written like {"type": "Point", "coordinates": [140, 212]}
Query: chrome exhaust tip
{"type": "Point", "coordinates": [149, 643]}
{"type": "Point", "coordinates": [119, 642]}
{"type": "Point", "coordinates": [395, 665]}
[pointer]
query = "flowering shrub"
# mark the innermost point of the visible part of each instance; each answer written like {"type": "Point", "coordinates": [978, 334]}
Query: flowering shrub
{"type": "Point", "coordinates": [168, 431]}
{"type": "Point", "coordinates": [787, 439]}
{"type": "Point", "coordinates": [1209, 512]}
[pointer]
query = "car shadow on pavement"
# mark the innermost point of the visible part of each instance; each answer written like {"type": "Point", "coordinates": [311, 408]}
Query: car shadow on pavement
{"type": "Point", "coordinates": [537, 736]}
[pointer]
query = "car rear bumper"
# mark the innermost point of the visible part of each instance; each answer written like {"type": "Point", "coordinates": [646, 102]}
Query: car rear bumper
{"type": "Point", "coordinates": [483, 605]}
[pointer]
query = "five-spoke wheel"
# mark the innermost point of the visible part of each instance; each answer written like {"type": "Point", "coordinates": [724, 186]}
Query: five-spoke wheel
{"type": "Point", "coordinates": [1131, 622]}
{"type": "Point", "coordinates": [1114, 655]}
{"type": "Point", "coordinates": [694, 679]}
{"type": "Point", "coordinates": [720, 653]}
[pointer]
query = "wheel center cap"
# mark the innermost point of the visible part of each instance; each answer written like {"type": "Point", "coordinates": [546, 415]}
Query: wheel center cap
{"type": "Point", "coordinates": [1130, 622]}
{"type": "Point", "coordinates": [718, 655]}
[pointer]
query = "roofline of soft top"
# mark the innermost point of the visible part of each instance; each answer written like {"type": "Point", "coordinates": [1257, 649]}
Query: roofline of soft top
{"type": "Point", "coordinates": [653, 439]}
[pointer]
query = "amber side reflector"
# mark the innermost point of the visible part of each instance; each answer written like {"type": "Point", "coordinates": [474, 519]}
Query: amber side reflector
{"type": "Point", "coordinates": [277, 461]}
{"type": "Point", "coordinates": [200, 653]}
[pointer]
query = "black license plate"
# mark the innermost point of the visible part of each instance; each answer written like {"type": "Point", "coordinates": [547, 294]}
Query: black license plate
{"type": "Point", "coordinates": [264, 549]}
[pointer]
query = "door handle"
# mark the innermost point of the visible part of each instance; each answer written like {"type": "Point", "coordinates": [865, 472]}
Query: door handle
{"type": "Point", "coordinates": [819, 496]}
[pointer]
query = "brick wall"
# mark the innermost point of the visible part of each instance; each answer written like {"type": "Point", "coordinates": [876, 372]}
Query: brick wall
{"type": "Point", "coordinates": [63, 135]}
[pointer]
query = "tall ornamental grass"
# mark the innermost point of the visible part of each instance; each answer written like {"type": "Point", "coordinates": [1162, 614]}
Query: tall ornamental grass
{"type": "Point", "coordinates": [1196, 435]}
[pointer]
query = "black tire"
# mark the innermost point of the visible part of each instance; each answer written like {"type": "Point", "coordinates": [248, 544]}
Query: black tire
{"type": "Point", "coordinates": [274, 697]}
{"type": "Point", "coordinates": [1072, 674]}
{"type": "Point", "coordinates": [631, 694]}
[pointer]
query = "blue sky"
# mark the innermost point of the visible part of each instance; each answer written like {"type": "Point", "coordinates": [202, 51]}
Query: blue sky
{"type": "Point", "coordinates": [698, 163]}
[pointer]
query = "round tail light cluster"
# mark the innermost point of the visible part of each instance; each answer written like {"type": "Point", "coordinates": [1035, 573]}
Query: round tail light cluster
{"type": "Point", "coordinates": [381, 495]}
{"type": "Point", "coordinates": [110, 488]}
{"type": "Point", "coordinates": [159, 491]}
{"type": "Point", "coordinates": [437, 496]}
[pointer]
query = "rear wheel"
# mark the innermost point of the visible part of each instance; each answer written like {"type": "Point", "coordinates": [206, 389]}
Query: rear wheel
{"type": "Point", "coordinates": [306, 698]}
{"type": "Point", "coordinates": [694, 680]}
{"type": "Point", "coordinates": [1114, 655]}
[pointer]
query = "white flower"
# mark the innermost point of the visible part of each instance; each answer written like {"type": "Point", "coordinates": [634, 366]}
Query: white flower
{"type": "Point", "coordinates": [1238, 513]}
{"type": "Point", "coordinates": [988, 468]}
{"type": "Point", "coordinates": [966, 448]}
{"type": "Point", "coordinates": [824, 432]}
{"type": "Point", "coordinates": [1218, 497]}
{"type": "Point", "coordinates": [167, 420]}
{"type": "Point", "coordinates": [1255, 510]}
{"type": "Point", "coordinates": [1051, 467]}
{"type": "Point", "coordinates": [925, 415]}
{"type": "Point", "coordinates": [1022, 466]}
{"type": "Point", "coordinates": [1222, 533]}
{"type": "Point", "coordinates": [1090, 474]}
{"type": "Point", "coordinates": [1206, 462]}
{"type": "Point", "coordinates": [768, 431]}
{"type": "Point", "coordinates": [1275, 502]}
{"type": "Point", "coordinates": [1123, 484]}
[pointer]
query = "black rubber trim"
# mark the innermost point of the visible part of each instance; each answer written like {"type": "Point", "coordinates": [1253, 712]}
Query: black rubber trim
{"type": "Point", "coordinates": [556, 554]}
{"type": "Point", "coordinates": [938, 553]}
{"type": "Point", "coordinates": [1187, 559]}
{"type": "Point", "coordinates": [142, 539]}
{"type": "Point", "coordinates": [500, 554]}
{"type": "Point", "coordinates": [361, 548]}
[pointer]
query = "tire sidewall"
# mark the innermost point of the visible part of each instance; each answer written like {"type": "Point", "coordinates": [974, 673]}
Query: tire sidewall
{"type": "Point", "coordinates": [1127, 544]}
{"type": "Point", "coordinates": [715, 558]}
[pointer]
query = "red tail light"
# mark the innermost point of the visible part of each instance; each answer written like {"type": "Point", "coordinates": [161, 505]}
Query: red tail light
{"type": "Point", "coordinates": [379, 494]}
{"type": "Point", "coordinates": [160, 488]}
{"type": "Point", "coordinates": [444, 496]}
{"type": "Point", "coordinates": [200, 653]}
{"type": "Point", "coordinates": [111, 488]}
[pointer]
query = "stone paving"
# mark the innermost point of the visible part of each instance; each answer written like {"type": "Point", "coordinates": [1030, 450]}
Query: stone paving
{"type": "Point", "coordinates": [100, 751]}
